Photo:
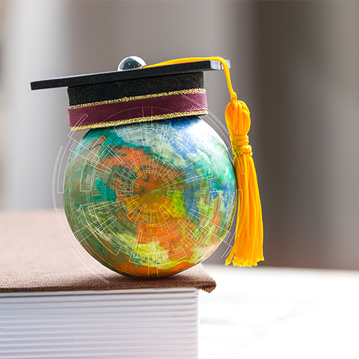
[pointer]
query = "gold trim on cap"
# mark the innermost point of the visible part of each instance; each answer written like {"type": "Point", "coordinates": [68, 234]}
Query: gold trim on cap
{"type": "Point", "coordinates": [140, 119]}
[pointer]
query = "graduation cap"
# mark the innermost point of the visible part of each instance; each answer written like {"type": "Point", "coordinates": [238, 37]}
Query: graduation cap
{"type": "Point", "coordinates": [171, 89]}
{"type": "Point", "coordinates": [134, 93]}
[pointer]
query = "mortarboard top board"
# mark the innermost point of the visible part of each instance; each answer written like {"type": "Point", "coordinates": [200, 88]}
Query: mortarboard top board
{"type": "Point", "coordinates": [134, 73]}
{"type": "Point", "coordinates": [111, 85]}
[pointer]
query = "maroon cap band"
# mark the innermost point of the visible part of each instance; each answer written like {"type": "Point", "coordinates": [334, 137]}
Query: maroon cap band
{"type": "Point", "coordinates": [138, 109]}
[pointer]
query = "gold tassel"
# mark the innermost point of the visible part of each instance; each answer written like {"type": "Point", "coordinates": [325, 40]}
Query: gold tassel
{"type": "Point", "coordinates": [248, 242]}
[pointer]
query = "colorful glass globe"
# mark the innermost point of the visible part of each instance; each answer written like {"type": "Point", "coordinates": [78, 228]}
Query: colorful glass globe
{"type": "Point", "coordinates": [151, 198]}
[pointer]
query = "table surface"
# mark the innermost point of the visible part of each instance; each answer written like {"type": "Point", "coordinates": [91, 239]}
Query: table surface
{"type": "Point", "coordinates": [280, 313]}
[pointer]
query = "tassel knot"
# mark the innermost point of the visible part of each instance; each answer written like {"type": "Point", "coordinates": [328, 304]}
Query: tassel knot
{"type": "Point", "coordinates": [240, 145]}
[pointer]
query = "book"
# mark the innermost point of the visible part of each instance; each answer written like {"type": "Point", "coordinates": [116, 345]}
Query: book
{"type": "Point", "coordinates": [58, 302]}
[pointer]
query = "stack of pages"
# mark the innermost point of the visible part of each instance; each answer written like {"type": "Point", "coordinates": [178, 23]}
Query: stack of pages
{"type": "Point", "coordinates": [57, 302]}
{"type": "Point", "coordinates": [157, 323]}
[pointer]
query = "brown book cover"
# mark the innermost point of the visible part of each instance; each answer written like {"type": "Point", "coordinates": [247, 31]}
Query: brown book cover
{"type": "Point", "coordinates": [39, 254]}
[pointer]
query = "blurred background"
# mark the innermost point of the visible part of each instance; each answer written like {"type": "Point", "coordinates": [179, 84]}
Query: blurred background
{"type": "Point", "coordinates": [294, 63]}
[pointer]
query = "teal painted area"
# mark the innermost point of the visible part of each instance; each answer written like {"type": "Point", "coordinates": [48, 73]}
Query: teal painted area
{"type": "Point", "coordinates": [106, 194]}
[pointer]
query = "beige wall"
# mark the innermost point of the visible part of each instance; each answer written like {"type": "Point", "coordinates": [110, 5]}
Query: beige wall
{"type": "Point", "coordinates": [306, 109]}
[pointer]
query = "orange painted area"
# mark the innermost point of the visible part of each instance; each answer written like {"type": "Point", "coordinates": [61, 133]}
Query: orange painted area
{"type": "Point", "coordinates": [216, 219]}
{"type": "Point", "coordinates": [130, 268]}
{"type": "Point", "coordinates": [151, 191]}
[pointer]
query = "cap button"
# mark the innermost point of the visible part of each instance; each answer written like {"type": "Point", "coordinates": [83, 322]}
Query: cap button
{"type": "Point", "coordinates": [131, 62]}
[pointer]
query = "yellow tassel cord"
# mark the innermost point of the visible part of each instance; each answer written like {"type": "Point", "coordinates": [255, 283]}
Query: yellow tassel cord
{"type": "Point", "coordinates": [248, 243]}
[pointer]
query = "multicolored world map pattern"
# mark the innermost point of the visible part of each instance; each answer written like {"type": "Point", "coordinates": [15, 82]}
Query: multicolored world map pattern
{"type": "Point", "coordinates": [153, 198]}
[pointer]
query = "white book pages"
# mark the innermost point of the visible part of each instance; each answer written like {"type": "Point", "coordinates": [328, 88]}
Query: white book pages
{"type": "Point", "coordinates": [146, 323]}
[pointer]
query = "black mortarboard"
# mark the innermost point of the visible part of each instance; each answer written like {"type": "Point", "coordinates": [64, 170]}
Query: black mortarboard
{"type": "Point", "coordinates": [131, 82]}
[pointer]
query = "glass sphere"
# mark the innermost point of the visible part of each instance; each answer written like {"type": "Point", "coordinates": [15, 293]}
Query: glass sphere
{"type": "Point", "coordinates": [152, 198]}
{"type": "Point", "coordinates": [131, 62]}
